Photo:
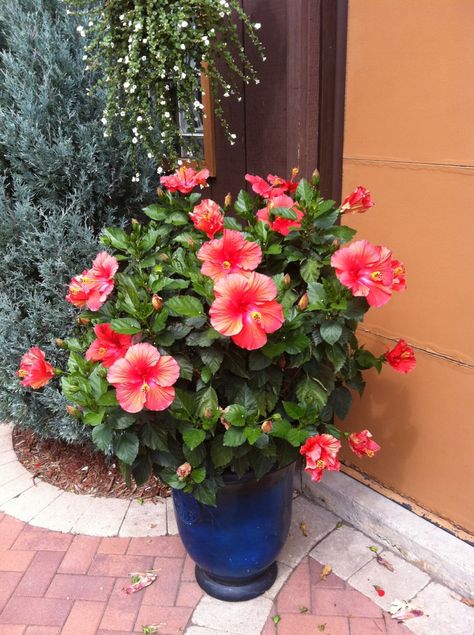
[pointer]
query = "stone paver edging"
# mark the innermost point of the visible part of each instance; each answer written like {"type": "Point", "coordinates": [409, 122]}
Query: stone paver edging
{"type": "Point", "coordinates": [346, 549]}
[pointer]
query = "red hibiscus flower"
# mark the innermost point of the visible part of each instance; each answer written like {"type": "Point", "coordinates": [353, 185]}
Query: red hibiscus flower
{"type": "Point", "coordinates": [184, 180]}
{"type": "Point", "coordinates": [358, 202]}
{"type": "Point", "coordinates": [366, 270]}
{"type": "Point", "coordinates": [94, 285]}
{"type": "Point", "coordinates": [362, 443]}
{"type": "Point", "coordinates": [401, 358]}
{"type": "Point", "coordinates": [273, 186]}
{"type": "Point", "coordinates": [207, 217]}
{"type": "Point", "coordinates": [109, 345]}
{"type": "Point", "coordinates": [144, 378]}
{"type": "Point", "coordinates": [398, 272]}
{"type": "Point", "coordinates": [245, 309]}
{"type": "Point", "coordinates": [34, 370]}
{"type": "Point", "coordinates": [280, 225]}
{"type": "Point", "coordinates": [321, 454]}
{"type": "Point", "coordinates": [229, 254]}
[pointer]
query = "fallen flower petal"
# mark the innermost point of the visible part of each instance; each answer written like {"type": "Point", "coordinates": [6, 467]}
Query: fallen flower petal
{"type": "Point", "coordinates": [385, 563]}
{"type": "Point", "coordinates": [403, 616]}
{"type": "Point", "coordinates": [139, 581]}
{"type": "Point", "coordinates": [304, 530]}
{"type": "Point", "coordinates": [325, 571]}
{"type": "Point", "coordinates": [380, 592]}
{"type": "Point", "coordinates": [467, 602]}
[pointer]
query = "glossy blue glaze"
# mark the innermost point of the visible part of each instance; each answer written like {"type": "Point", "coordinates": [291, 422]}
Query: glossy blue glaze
{"type": "Point", "coordinates": [241, 537]}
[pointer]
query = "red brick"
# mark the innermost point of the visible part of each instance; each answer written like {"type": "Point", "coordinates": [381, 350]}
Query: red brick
{"type": "Point", "coordinates": [11, 629]}
{"type": "Point", "coordinates": [189, 594]}
{"type": "Point", "coordinates": [172, 620]}
{"type": "Point", "coordinates": [40, 611]}
{"type": "Point", "coordinates": [113, 544]}
{"type": "Point", "coordinates": [42, 630]}
{"type": "Point", "coordinates": [40, 573]}
{"type": "Point", "coordinates": [330, 582]}
{"type": "Point", "coordinates": [119, 566]}
{"type": "Point", "coordinates": [79, 556]}
{"type": "Point", "coordinates": [348, 602]}
{"type": "Point", "coordinates": [164, 590]}
{"type": "Point", "coordinates": [121, 610]}
{"type": "Point", "coordinates": [296, 593]}
{"type": "Point", "coordinates": [297, 624]}
{"type": "Point", "coordinates": [102, 631]}
{"type": "Point", "coordinates": [10, 528]}
{"type": "Point", "coordinates": [167, 546]}
{"type": "Point", "coordinates": [15, 560]}
{"type": "Point", "coordinates": [80, 587]}
{"type": "Point", "coordinates": [84, 618]}
{"type": "Point", "coordinates": [188, 570]}
{"type": "Point", "coordinates": [8, 582]}
{"type": "Point", "coordinates": [40, 539]}
{"type": "Point", "coordinates": [367, 626]}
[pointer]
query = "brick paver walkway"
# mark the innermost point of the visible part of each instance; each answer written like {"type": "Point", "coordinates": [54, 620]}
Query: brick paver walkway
{"type": "Point", "coordinates": [53, 583]}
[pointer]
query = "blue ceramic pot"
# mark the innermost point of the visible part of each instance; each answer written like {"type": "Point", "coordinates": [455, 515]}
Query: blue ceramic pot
{"type": "Point", "coordinates": [235, 544]}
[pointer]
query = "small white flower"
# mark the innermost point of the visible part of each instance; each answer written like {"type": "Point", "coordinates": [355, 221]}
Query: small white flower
{"type": "Point", "coordinates": [135, 131]}
{"type": "Point", "coordinates": [239, 98]}
{"type": "Point", "coordinates": [226, 94]}
{"type": "Point", "coordinates": [183, 47]}
{"type": "Point", "coordinates": [121, 17]}
{"type": "Point", "coordinates": [257, 25]}
{"type": "Point", "coordinates": [163, 134]}
{"type": "Point", "coordinates": [87, 68]}
{"type": "Point", "coordinates": [126, 85]}
{"type": "Point", "coordinates": [104, 121]}
{"type": "Point", "coordinates": [264, 58]}
{"type": "Point", "coordinates": [166, 115]}
{"type": "Point", "coordinates": [134, 140]}
{"type": "Point", "coordinates": [183, 75]}
{"type": "Point", "coordinates": [166, 85]}
{"type": "Point", "coordinates": [122, 113]}
{"type": "Point", "coordinates": [257, 81]}
{"type": "Point", "coordinates": [232, 143]}
{"type": "Point", "coordinates": [160, 170]}
{"type": "Point", "coordinates": [90, 23]}
{"type": "Point", "coordinates": [212, 31]}
{"type": "Point", "coordinates": [112, 45]}
{"type": "Point", "coordinates": [183, 24]}
{"type": "Point", "coordinates": [139, 118]}
{"type": "Point", "coordinates": [143, 58]}
{"type": "Point", "coordinates": [180, 162]}
{"type": "Point", "coordinates": [145, 40]}
{"type": "Point", "coordinates": [150, 127]}
{"type": "Point", "coordinates": [138, 26]}
{"type": "Point", "coordinates": [233, 136]}
{"type": "Point", "coordinates": [106, 134]}
{"type": "Point", "coordinates": [149, 155]}
{"type": "Point", "coordinates": [120, 60]}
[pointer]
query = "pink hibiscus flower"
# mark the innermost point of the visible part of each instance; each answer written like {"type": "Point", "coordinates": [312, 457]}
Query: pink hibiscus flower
{"type": "Point", "coordinates": [321, 454]}
{"type": "Point", "coordinates": [34, 370]}
{"type": "Point", "coordinates": [280, 225]}
{"type": "Point", "coordinates": [229, 254]}
{"type": "Point", "coordinates": [245, 309]}
{"type": "Point", "coordinates": [184, 180]}
{"type": "Point", "coordinates": [207, 217]}
{"type": "Point", "coordinates": [357, 202]}
{"type": "Point", "coordinates": [401, 358]}
{"type": "Point", "coordinates": [362, 444]}
{"type": "Point", "coordinates": [398, 271]}
{"type": "Point", "coordinates": [109, 345]}
{"type": "Point", "coordinates": [144, 378]}
{"type": "Point", "coordinates": [94, 285]}
{"type": "Point", "coordinates": [273, 186]}
{"type": "Point", "coordinates": [366, 270]}
{"type": "Point", "coordinates": [287, 186]}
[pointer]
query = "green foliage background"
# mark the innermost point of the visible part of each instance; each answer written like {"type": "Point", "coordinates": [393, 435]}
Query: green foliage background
{"type": "Point", "coordinates": [61, 182]}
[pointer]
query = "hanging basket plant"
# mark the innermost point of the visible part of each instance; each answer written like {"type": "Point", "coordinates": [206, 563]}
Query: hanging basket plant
{"type": "Point", "coordinates": [151, 55]}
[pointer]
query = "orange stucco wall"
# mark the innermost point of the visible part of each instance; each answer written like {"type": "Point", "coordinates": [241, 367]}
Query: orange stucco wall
{"type": "Point", "coordinates": [409, 138]}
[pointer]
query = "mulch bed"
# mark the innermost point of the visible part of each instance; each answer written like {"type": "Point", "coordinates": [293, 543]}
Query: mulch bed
{"type": "Point", "coordinates": [79, 468]}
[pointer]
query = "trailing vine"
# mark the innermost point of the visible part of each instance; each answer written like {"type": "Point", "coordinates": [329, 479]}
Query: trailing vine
{"type": "Point", "coordinates": [151, 53]}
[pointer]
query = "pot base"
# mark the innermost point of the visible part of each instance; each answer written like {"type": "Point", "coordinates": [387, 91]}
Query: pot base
{"type": "Point", "coordinates": [235, 591]}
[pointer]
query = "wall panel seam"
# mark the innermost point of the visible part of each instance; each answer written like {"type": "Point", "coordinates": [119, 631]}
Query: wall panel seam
{"type": "Point", "coordinates": [465, 166]}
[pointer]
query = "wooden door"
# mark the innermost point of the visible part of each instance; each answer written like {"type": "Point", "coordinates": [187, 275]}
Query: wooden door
{"type": "Point", "coordinates": [278, 122]}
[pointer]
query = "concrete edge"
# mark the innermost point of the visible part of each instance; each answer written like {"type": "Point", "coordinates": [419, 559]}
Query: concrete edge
{"type": "Point", "coordinates": [444, 557]}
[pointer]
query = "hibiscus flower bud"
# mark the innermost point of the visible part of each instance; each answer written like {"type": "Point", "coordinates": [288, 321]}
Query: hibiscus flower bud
{"type": "Point", "coordinates": [228, 200]}
{"type": "Point", "coordinates": [266, 426]}
{"type": "Point", "coordinates": [303, 302]}
{"type": "Point", "coordinates": [286, 280]}
{"type": "Point", "coordinates": [163, 258]}
{"type": "Point", "coordinates": [207, 413]}
{"type": "Point", "coordinates": [183, 471]}
{"type": "Point", "coordinates": [73, 411]}
{"type": "Point", "coordinates": [59, 342]}
{"type": "Point", "coordinates": [83, 321]}
{"type": "Point", "coordinates": [134, 221]}
{"type": "Point", "coordinates": [294, 173]}
{"type": "Point", "coordinates": [157, 302]}
{"type": "Point", "coordinates": [315, 177]}
{"type": "Point", "coordinates": [159, 192]}
{"type": "Point", "coordinates": [225, 423]}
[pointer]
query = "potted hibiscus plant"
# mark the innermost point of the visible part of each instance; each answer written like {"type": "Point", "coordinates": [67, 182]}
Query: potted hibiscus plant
{"type": "Point", "coordinates": [216, 347]}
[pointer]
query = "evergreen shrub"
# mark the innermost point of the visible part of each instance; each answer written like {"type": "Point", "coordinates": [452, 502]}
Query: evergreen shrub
{"type": "Point", "coordinates": [62, 181]}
